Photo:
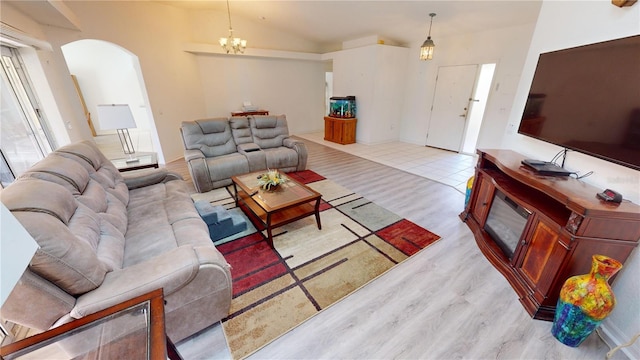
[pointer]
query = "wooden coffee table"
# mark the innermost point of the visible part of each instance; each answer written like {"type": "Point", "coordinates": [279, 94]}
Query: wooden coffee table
{"type": "Point", "coordinates": [291, 201]}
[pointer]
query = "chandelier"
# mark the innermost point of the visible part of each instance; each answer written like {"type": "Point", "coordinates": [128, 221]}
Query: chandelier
{"type": "Point", "coordinates": [426, 50]}
{"type": "Point", "coordinates": [230, 43]}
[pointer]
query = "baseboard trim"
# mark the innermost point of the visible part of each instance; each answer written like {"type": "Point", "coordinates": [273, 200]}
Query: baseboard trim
{"type": "Point", "coordinates": [613, 337]}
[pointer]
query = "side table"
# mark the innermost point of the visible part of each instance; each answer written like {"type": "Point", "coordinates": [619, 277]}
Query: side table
{"type": "Point", "coordinates": [133, 329]}
{"type": "Point", "coordinates": [143, 161]}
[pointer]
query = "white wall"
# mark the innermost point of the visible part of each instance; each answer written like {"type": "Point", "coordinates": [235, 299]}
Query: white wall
{"type": "Point", "coordinates": [295, 88]}
{"type": "Point", "coordinates": [564, 24]}
{"type": "Point", "coordinates": [155, 33]}
{"type": "Point", "coordinates": [598, 21]}
{"type": "Point", "coordinates": [375, 75]}
{"type": "Point", "coordinates": [506, 47]}
{"type": "Point", "coordinates": [353, 72]}
{"type": "Point", "coordinates": [388, 91]}
{"type": "Point", "coordinates": [106, 75]}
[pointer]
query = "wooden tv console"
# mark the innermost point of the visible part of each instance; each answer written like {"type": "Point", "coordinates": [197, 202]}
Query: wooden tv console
{"type": "Point", "coordinates": [567, 226]}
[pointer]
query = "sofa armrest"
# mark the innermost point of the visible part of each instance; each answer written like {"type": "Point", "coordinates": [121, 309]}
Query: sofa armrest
{"type": "Point", "coordinates": [255, 156]}
{"type": "Point", "coordinates": [248, 147]}
{"type": "Point", "coordinates": [193, 154]}
{"type": "Point", "coordinates": [199, 170]}
{"type": "Point", "coordinates": [149, 177]}
{"type": "Point", "coordinates": [291, 142]}
{"type": "Point", "coordinates": [36, 302]}
{"type": "Point", "coordinates": [171, 271]}
{"type": "Point", "coordinates": [301, 149]}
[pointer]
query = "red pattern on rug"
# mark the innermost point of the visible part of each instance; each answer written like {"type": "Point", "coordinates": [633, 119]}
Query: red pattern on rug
{"type": "Point", "coordinates": [253, 262]}
{"type": "Point", "coordinates": [306, 176]}
{"type": "Point", "coordinates": [407, 236]}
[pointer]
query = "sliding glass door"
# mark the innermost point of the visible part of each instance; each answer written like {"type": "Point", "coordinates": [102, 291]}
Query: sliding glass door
{"type": "Point", "coordinates": [24, 137]}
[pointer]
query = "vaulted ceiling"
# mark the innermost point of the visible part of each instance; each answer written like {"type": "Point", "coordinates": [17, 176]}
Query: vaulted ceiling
{"type": "Point", "coordinates": [327, 22]}
{"type": "Point", "coordinates": [331, 22]}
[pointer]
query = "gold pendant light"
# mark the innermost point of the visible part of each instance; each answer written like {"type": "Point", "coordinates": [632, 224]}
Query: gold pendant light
{"type": "Point", "coordinates": [230, 43]}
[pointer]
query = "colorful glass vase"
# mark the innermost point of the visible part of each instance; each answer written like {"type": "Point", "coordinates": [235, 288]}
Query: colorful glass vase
{"type": "Point", "coordinates": [585, 300]}
{"type": "Point", "coordinates": [467, 195]}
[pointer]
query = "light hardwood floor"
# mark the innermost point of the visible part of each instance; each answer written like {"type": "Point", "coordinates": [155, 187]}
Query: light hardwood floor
{"type": "Point", "coordinates": [447, 302]}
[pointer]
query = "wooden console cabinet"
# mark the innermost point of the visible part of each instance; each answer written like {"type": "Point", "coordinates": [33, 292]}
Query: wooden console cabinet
{"type": "Point", "coordinates": [341, 131]}
{"type": "Point", "coordinates": [567, 225]}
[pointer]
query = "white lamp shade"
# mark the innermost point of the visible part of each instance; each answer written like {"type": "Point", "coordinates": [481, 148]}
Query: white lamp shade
{"type": "Point", "coordinates": [115, 116]}
{"type": "Point", "coordinates": [16, 250]}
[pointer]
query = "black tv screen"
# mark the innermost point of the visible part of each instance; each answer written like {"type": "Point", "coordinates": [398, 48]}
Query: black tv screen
{"type": "Point", "coordinates": [587, 99]}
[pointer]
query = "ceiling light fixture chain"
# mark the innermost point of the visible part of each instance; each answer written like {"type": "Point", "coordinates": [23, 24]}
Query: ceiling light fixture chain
{"type": "Point", "coordinates": [230, 43]}
{"type": "Point", "coordinates": [426, 50]}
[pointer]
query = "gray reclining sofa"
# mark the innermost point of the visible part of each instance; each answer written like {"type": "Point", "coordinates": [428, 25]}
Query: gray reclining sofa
{"type": "Point", "coordinates": [218, 148]}
{"type": "Point", "coordinates": [105, 239]}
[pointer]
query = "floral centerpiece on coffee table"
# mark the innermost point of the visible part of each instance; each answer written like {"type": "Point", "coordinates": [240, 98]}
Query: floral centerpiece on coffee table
{"type": "Point", "coordinates": [271, 180]}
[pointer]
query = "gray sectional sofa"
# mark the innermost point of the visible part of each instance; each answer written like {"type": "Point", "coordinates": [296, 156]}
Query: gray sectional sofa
{"type": "Point", "coordinates": [105, 238]}
{"type": "Point", "coordinates": [218, 148]}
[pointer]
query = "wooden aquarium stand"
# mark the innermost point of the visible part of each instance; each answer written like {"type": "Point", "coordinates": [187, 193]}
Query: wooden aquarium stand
{"type": "Point", "coordinates": [340, 130]}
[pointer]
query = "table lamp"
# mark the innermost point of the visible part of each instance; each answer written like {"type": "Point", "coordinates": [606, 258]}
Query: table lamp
{"type": "Point", "coordinates": [119, 117]}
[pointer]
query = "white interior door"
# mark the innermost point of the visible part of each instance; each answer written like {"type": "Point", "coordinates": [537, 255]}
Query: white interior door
{"type": "Point", "coordinates": [454, 90]}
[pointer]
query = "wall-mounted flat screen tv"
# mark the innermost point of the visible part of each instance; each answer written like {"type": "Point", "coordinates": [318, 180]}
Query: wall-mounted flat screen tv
{"type": "Point", "coordinates": [587, 99]}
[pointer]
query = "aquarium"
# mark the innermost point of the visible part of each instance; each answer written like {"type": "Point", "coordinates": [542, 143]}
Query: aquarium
{"type": "Point", "coordinates": [342, 107]}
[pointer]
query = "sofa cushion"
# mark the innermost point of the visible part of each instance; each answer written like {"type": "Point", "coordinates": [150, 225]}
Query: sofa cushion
{"type": "Point", "coordinates": [110, 248]}
{"type": "Point", "coordinates": [105, 239]}
{"type": "Point", "coordinates": [281, 157]}
{"type": "Point", "coordinates": [107, 205]}
{"type": "Point", "coordinates": [266, 122]}
{"type": "Point", "coordinates": [241, 130]}
{"type": "Point", "coordinates": [211, 136]}
{"type": "Point", "coordinates": [269, 131]}
{"type": "Point", "coordinates": [226, 166]}
{"type": "Point", "coordinates": [98, 166]}
{"type": "Point", "coordinates": [171, 271]}
{"type": "Point", "coordinates": [48, 210]}
{"type": "Point", "coordinates": [157, 214]}
{"type": "Point", "coordinates": [213, 126]}
{"type": "Point", "coordinates": [60, 170]}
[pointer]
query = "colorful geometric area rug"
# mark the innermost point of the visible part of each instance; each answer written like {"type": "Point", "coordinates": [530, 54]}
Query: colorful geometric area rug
{"type": "Point", "coordinates": [276, 289]}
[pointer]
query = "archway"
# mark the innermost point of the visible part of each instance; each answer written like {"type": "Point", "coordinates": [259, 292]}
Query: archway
{"type": "Point", "coordinates": [107, 73]}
